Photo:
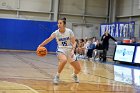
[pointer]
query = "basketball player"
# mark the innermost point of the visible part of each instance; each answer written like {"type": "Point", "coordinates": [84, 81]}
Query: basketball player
{"type": "Point", "coordinates": [65, 50]}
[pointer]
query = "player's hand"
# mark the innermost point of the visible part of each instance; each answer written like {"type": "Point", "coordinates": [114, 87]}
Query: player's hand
{"type": "Point", "coordinates": [40, 45]}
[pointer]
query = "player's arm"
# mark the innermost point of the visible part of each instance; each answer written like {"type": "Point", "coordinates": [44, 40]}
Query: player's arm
{"type": "Point", "coordinates": [47, 40]}
{"type": "Point", "coordinates": [73, 42]}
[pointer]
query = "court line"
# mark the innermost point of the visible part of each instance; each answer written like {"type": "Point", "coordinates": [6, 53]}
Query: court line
{"type": "Point", "coordinates": [23, 86]}
{"type": "Point", "coordinates": [32, 65]}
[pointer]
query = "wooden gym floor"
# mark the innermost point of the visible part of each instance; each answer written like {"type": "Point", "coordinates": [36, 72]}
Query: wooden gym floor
{"type": "Point", "coordinates": [24, 72]}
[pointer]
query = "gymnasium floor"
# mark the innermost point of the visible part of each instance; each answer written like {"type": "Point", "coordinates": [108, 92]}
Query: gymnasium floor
{"type": "Point", "coordinates": [24, 72]}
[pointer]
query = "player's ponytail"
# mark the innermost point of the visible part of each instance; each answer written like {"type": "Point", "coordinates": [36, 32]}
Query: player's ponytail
{"type": "Point", "coordinates": [64, 20]}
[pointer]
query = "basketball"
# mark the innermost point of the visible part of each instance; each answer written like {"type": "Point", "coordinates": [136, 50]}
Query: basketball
{"type": "Point", "coordinates": [41, 51]}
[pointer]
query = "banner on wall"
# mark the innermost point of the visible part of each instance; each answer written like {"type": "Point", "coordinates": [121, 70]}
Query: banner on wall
{"type": "Point", "coordinates": [119, 29]}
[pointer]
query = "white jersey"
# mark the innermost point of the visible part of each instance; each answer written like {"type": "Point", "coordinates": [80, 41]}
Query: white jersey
{"type": "Point", "coordinates": [63, 39]}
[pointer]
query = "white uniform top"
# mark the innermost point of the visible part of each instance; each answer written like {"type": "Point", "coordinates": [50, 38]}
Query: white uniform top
{"type": "Point", "coordinates": [63, 39]}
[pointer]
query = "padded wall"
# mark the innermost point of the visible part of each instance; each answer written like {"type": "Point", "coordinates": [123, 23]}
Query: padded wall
{"type": "Point", "coordinates": [26, 34]}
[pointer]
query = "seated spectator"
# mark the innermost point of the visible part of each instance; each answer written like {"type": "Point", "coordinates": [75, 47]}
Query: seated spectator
{"type": "Point", "coordinates": [90, 48]}
{"type": "Point", "coordinates": [87, 42]}
{"type": "Point", "coordinates": [80, 49]}
{"type": "Point", "coordinates": [98, 51]}
{"type": "Point", "coordinates": [76, 48]}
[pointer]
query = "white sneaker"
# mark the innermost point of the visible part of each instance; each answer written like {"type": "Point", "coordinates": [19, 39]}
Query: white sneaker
{"type": "Point", "coordinates": [75, 78]}
{"type": "Point", "coordinates": [96, 59]}
{"type": "Point", "coordinates": [56, 79]}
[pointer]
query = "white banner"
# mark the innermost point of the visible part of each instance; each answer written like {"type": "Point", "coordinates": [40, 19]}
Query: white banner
{"type": "Point", "coordinates": [124, 53]}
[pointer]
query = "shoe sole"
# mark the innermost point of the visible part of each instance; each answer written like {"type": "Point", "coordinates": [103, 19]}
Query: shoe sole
{"type": "Point", "coordinates": [55, 83]}
{"type": "Point", "coordinates": [76, 82]}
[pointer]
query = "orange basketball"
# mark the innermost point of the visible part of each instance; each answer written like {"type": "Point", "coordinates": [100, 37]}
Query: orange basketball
{"type": "Point", "coordinates": [41, 51]}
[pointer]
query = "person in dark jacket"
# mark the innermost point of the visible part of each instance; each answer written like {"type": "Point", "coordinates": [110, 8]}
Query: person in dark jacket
{"type": "Point", "coordinates": [105, 43]}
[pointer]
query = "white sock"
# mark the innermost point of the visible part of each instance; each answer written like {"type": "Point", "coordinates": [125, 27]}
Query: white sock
{"type": "Point", "coordinates": [58, 74]}
{"type": "Point", "coordinates": [74, 74]}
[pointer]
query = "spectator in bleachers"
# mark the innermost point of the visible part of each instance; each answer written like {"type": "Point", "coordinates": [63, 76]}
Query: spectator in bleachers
{"type": "Point", "coordinates": [94, 40]}
{"type": "Point", "coordinates": [90, 48]}
{"type": "Point", "coordinates": [98, 51]}
{"type": "Point", "coordinates": [76, 48]}
{"type": "Point", "coordinates": [81, 47]}
{"type": "Point", "coordinates": [87, 42]}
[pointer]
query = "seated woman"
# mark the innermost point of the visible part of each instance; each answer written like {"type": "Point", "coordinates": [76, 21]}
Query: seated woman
{"type": "Point", "coordinates": [90, 49]}
{"type": "Point", "coordinates": [98, 51]}
{"type": "Point", "coordinates": [80, 49]}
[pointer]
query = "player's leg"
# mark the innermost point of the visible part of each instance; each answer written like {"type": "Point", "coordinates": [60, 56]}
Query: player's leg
{"type": "Point", "coordinates": [62, 61]}
{"type": "Point", "coordinates": [77, 68]}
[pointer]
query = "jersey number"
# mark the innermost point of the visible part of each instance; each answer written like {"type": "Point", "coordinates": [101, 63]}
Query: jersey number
{"type": "Point", "coordinates": [64, 43]}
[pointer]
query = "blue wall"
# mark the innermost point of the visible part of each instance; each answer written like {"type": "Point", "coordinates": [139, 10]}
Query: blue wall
{"type": "Point", "coordinates": [26, 34]}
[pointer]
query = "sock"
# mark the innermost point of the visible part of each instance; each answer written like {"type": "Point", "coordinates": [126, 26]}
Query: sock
{"type": "Point", "coordinates": [58, 74]}
{"type": "Point", "coordinates": [74, 74]}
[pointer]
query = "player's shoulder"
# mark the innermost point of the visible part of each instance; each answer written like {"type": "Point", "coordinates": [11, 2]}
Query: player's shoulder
{"type": "Point", "coordinates": [67, 29]}
{"type": "Point", "coordinates": [56, 31]}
